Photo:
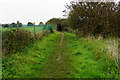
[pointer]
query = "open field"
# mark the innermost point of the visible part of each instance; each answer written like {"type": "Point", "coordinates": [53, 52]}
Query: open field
{"type": "Point", "coordinates": [30, 28]}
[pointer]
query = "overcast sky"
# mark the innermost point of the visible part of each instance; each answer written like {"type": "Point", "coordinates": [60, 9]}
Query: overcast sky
{"type": "Point", "coordinates": [31, 10]}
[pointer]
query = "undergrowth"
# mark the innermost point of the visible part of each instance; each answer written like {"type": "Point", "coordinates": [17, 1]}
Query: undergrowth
{"type": "Point", "coordinates": [13, 40]}
{"type": "Point", "coordinates": [90, 58]}
{"type": "Point", "coordinates": [29, 62]}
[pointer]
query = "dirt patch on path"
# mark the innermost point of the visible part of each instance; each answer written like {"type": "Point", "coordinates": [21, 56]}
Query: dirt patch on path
{"type": "Point", "coordinates": [59, 56]}
{"type": "Point", "coordinates": [61, 38]}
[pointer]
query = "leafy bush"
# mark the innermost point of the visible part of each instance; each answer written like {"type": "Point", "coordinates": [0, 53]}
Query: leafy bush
{"type": "Point", "coordinates": [13, 40]}
{"type": "Point", "coordinates": [5, 25]}
{"type": "Point", "coordinates": [68, 29]}
{"type": "Point", "coordinates": [94, 18]}
{"type": "Point", "coordinates": [51, 30]}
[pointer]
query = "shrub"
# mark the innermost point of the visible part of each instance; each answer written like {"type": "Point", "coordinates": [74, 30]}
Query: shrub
{"type": "Point", "coordinates": [94, 18]}
{"type": "Point", "coordinates": [13, 40]}
{"type": "Point", "coordinates": [5, 25]}
{"type": "Point", "coordinates": [51, 30]}
{"type": "Point", "coordinates": [68, 29]}
{"type": "Point", "coordinates": [29, 24]}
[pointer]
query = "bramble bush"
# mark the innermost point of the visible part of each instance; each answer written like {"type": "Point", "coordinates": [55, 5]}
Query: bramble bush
{"type": "Point", "coordinates": [13, 40]}
{"type": "Point", "coordinates": [94, 18]}
{"type": "Point", "coordinates": [51, 30]}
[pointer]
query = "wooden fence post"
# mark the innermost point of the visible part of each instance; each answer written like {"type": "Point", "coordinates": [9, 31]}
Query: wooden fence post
{"type": "Point", "coordinates": [18, 25]}
{"type": "Point", "coordinates": [34, 28]}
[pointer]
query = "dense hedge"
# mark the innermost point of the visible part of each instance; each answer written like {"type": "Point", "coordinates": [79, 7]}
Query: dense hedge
{"type": "Point", "coordinates": [13, 40]}
{"type": "Point", "coordinates": [96, 18]}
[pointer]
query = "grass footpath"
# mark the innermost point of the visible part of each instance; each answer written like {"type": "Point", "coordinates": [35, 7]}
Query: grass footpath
{"type": "Point", "coordinates": [58, 62]}
{"type": "Point", "coordinates": [75, 58]}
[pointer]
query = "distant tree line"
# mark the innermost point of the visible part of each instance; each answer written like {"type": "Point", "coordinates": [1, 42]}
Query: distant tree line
{"type": "Point", "coordinates": [18, 24]}
{"type": "Point", "coordinates": [31, 24]}
{"type": "Point", "coordinates": [61, 23]}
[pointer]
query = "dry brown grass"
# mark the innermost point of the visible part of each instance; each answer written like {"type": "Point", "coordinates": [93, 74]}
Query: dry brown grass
{"type": "Point", "coordinates": [113, 48]}
{"type": "Point", "coordinates": [110, 43]}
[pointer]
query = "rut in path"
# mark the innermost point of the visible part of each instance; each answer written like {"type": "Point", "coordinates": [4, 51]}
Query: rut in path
{"type": "Point", "coordinates": [57, 64]}
{"type": "Point", "coordinates": [59, 56]}
{"type": "Point", "coordinates": [62, 38]}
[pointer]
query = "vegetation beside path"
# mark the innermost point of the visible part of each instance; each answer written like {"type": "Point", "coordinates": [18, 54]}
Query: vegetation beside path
{"type": "Point", "coordinates": [75, 58]}
{"type": "Point", "coordinates": [90, 58]}
{"type": "Point", "coordinates": [29, 62]}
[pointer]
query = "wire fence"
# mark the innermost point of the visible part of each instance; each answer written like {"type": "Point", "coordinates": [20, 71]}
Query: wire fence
{"type": "Point", "coordinates": [35, 28]}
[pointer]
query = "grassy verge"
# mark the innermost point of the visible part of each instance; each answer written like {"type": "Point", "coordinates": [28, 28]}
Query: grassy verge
{"type": "Point", "coordinates": [90, 58]}
{"type": "Point", "coordinates": [29, 62]}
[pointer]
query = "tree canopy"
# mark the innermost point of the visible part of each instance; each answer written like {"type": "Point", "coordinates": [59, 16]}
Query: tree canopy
{"type": "Point", "coordinates": [98, 18]}
{"type": "Point", "coordinates": [29, 24]}
{"type": "Point", "coordinates": [41, 23]}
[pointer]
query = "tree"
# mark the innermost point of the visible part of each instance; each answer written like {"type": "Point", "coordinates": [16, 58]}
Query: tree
{"type": "Point", "coordinates": [29, 24]}
{"type": "Point", "coordinates": [5, 25]}
{"type": "Point", "coordinates": [51, 30]}
{"type": "Point", "coordinates": [41, 23]}
{"type": "Point", "coordinates": [118, 13]}
{"type": "Point", "coordinates": [20, 24]}
{"type": "Point", "coordinates": [59, 28]}
{"type": "Point", "coordinates": [53, 21]}
{"type": "Point", "coordinates": [93, 17]}
{"type": "Point", "coordinates": [63, 22]}
{"type": "Point", "coordinates": [13, 24]}
{"type": "Point", "coordinates": [59, 22]}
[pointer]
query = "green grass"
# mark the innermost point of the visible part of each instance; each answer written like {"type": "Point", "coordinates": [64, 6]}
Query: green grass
{"type": "Point", "coordinates": [30, 28]}
{"type": "Point", "coordinates": [79, 58]}
{"type": "Point", "coordinates": [29, 62]}
{"type": "Point", "coordinates": [37, 29]}
{"type": "Point", "coordinates": [90, 59]}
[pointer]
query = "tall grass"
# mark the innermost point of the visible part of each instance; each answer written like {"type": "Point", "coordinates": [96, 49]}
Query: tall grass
{"type": "Point", "coordinates": [105, 51]}
{"type": "Point", "coordinates": [91, 57]}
